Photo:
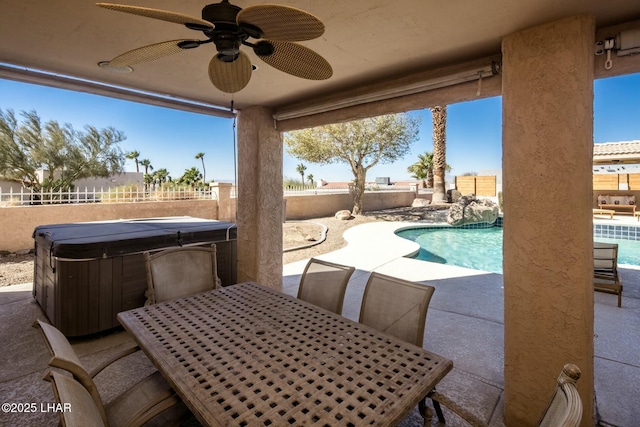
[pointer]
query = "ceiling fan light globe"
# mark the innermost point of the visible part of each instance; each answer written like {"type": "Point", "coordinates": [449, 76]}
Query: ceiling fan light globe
{"type": "Point", "coordinates": [230, 77]}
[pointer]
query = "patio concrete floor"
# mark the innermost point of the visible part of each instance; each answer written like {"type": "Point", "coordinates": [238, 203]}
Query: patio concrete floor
{"type": "Point", "coordinates": [467, 305]}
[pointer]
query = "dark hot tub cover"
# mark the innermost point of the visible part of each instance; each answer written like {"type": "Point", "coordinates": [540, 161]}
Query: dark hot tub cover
{"type": "Point", "coordinates": [90, 240]}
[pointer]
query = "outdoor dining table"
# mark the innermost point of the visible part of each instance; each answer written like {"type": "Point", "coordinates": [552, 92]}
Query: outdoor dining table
{"type": "Point", "coordinates": [247, 355]}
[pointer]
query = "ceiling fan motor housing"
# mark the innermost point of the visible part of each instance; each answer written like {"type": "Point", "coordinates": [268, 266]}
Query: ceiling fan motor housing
{"type": "Point", "coordinates": [226, 35]}
{"type": "Point", "coordinates": [221, 13]}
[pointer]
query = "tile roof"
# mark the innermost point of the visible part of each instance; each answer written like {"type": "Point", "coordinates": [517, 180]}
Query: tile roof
{"type": "Point", "coordinates": [617, 148]}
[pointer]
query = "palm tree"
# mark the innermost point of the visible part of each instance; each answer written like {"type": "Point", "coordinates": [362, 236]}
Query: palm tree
{"type": "Point", "coordinates": [147, 165]}
{"type": "Point", "coordinates": [310, 178]}
{"type": "Point", "coordinates": [191, 177]}
{"type": "Point", "coordinates": [300, 169]}
{"type": "Point", "coordinates": [423, 169]}
{"type": "Point", "coordinates": [160, 176]}
{"type": "Point", "coordinates": [133, 155]}
{"type": "Point", "coordinates": [204, 171]}
{"type": "Point", "coordinates": [148, 180]}
{"type": "Point", "coordinates": [439, 115]}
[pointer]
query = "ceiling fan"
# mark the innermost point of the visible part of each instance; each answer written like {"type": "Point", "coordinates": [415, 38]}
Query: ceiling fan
{"type": "Point", "coordinates": [228, 27]}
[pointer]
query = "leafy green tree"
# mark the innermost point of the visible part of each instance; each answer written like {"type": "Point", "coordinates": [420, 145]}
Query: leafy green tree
{"type": "Point", "coordinates": [361, 144]}
{"type": "Point", "coordinates": [133, 155]}
{"type": "Point", "coordinates": [300, 169]}
{"type": "Point", "coordinates": [289, 183]}
{"type": "Point", "coordinates": [310, 179]}
{"type": "Point", "coordinates": [29, 146]}
{"type": "Point", "coordinates": [204, 171]}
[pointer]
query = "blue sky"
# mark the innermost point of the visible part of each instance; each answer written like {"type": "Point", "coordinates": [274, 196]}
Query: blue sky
{"type": "Point", "coordinates": [170, 139]}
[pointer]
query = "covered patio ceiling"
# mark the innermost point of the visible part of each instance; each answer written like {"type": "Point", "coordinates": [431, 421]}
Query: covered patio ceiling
{"type": "Point", "coordinates": [368, 43]}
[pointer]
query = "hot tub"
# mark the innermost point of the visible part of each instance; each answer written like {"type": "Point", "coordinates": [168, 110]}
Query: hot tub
{"type": "Point", "coordinates": [85, 273]}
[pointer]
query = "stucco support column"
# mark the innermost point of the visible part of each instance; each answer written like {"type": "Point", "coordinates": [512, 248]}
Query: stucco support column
{"type": "Point", "coordinates": [547, 87]}
{"type": "Point", "coordinates": [222, 191]}
{"type": "Point", "coordinates": [259, 198]}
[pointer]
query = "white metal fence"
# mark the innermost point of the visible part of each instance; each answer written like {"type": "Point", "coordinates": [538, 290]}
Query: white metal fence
{"type": "Point", "coordinates": [26, 196]}
{"type": "Point", "coordinates": [102, 195]}
{"type": "Point", "coordinates": [299, 190]}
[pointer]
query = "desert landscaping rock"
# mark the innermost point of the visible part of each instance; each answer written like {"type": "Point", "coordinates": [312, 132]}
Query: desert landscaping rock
{"type": "Point", "coordinates": [343, 215]}
{"type": "Point", "coordinates": [418, 203]}
{"type": "Point", "coordinates": [470, 210]}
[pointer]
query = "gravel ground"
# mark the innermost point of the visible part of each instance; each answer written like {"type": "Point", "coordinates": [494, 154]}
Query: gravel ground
{"type": "Point", "coordinates": [17, 269]}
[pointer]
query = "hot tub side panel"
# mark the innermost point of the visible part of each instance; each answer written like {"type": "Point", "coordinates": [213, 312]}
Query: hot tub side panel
{"type": "Point", "coordinates": [82, 297]}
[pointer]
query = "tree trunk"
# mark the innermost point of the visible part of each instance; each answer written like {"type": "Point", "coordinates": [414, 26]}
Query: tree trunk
{"type": "Point", "coordinates": [358, 191]}
{"type": "Point", "coordinates": [439, 115]}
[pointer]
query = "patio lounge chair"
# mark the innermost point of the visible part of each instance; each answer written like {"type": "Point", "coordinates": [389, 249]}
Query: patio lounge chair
{"type": "Point", "coordinates": [399, 308]}
{"type": "Point", "coordinates": [605, 269]}
{"type": "Point", "coordinates": [179, 272]}
{"type": "Point", "coordinates": [324, 284]}
{"type": "Point", "coordinates": [565, 407]}
{"type": "Point", "coordinates": [150, 398]}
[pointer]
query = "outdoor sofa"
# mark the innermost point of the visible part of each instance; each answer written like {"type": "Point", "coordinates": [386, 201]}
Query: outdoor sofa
{"type": "Point", "coordinates": [623, 203]}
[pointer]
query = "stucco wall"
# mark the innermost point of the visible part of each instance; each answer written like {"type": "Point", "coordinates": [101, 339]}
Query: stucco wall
{"type": "Point", "coordinates": [312, 206]}
{"type": "Point", "coordinates": [259, 198]}
{"type": "Point", "coordinates": [547, 160]}
{"type": "Point", "coordinates": [17, 223]}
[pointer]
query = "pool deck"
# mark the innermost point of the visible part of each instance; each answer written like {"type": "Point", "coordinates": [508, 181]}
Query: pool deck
{"type": "Point", "coordinates": [467, 305]}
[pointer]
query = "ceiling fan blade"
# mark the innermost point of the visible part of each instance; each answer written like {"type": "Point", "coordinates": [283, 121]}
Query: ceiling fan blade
{"type": "Point", "coordinates": [281, 23]}
{"type": "Point", "coordinates": [177, 18]}
{"type": "Point", "coordinates": [149, 53]}
{"type": "Point", "coordinates": [230, 77]}
{"type": "Point", "coordinates": [297, 60]}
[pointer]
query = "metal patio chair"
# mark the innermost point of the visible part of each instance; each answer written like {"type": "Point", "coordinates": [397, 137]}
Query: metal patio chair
{"type": "Point", "coordinates": [150, 398]}
{"type": "Point", "coordinates": [399, 308]}
{"type": "Point", "coordinates": [324, 284]}
{"type": "Point", "coordinates": [565, 407]}
{"type": "Point", "coordinates": [179, 272]}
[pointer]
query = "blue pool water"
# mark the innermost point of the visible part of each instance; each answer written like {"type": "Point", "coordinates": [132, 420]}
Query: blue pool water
{"type": "Point", "coordinates": [481, 248]}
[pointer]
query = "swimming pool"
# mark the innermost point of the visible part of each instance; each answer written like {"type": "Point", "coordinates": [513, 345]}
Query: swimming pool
{"type": "Point", "coordinates": [481, 248]}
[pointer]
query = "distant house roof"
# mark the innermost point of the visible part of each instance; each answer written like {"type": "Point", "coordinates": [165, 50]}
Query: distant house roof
{"type": "Point", "coordinates": [616, 152]}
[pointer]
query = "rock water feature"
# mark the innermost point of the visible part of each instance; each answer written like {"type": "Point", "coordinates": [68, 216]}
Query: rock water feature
{"type": "Point", "coordinates": [470, 210]}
